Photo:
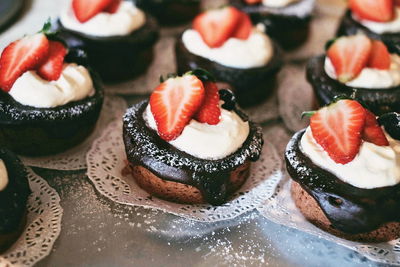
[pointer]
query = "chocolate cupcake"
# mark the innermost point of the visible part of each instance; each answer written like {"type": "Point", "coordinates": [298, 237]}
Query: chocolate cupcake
{"type": "Point", "coordinates": [119, 42]}
{"type": "Point", "coordinates": [365, 71]}
{"type": "Point", "coordinates": [379, 20]}
{"type": "Point", "coordinates": [345, 172]}
{"type": "Point", "coordinates": [200, 152]}
{"type": "Point", "coordinates": [288, 22]}
{"type": "Point", "coordinates": [171, 12]}
{"type": "Point", "coordinates": [235, 51]}
{"type": "Point", "coordinates": [49, 100]}
{"type": "Point", "coordinates": [14, 192]}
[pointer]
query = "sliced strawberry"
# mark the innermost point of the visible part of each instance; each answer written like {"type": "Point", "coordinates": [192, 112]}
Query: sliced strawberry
{"type": "Point", "coordinates": [209, 112]}
{"type": "Point", "coordinates": [243, 28]}
{"type": "Point", "coordinates": [380, 57]}
{"type": "Point", "coordinates": [113, 7]}
{"type": "Point", "coordinates": [173, 104]}
{"type": "Point", "coordinates": [397, 2]}
{"type": "Point", "coordinates": [252, 2]}
{"type": "Point", "coordinates": [52, 67]}
{"type": "Point", "coordinates": [373, 132]}
{"type": "Point", "coordinates": [375, 10]}
{"type": "Point", "coordinates": [20, 56]}
{"type": "Point", "coordinates": [349, 55]}
{"type": "Point", "coordinates": [216, 26]}
{"type": "Point", "coordinates": [87, 9]}
{"type": "Point", "coordinates": [337, 128]}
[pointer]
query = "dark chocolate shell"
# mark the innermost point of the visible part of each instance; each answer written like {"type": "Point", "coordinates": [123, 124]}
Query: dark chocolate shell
{"type": "Point", "coordinates": [378, 100]}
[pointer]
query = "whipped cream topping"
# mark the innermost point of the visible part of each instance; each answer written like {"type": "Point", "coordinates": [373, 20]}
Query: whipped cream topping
{"type": "Point", "coordinates": [370, 78]}
{"type": "Point", "coordinates": [74, 84]}
{"type": "Point", "coordinates": [3, 176]}
{"type": "Point", "coordinates": [254, 52]}
{"type": "Point", "coordinates": [392, 26]}
{"type": "Point", "coordinates": [206, 141]}
{"type": "Point", "coordinates": [278, 3]}
{"type": "Point", "coordinates": [124, 21]}
{"type": "Point", "coordinates": [373, 167]}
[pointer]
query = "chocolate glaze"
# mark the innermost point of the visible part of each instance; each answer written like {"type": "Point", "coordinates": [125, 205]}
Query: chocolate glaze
{"type": "Point", "coordinates": [144, 147]}
{"type": "Point", "coordinates": [350, 209]}
{"type": "Point", "coordinates": [378, 100]}
{"type": "Point", "coordinates": [349, 26]}
{"type": "Point", "coordinates": [14, 197]}
{"type": "Point", "coordinates": [251, 86]}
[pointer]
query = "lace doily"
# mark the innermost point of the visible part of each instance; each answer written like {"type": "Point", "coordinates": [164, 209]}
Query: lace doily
{"type": "Point", "coordinates": [280, 208]}
{"type": "Point", "coordinates": [75, 158]}
{"type": "Point", "coordinates": [107, 159]}
{"type": "Point", "coordinates": [43, 225]}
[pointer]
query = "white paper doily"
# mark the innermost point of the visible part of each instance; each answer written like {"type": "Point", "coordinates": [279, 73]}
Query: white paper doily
{"type": "Point", "coordinates": [280, 208]}
{"type": "Point", "coordinates": [43, 225]}
{"type": "Point", "coordinates": [107, 159]}
{"type": "Point", "coordinates": [75, 158]}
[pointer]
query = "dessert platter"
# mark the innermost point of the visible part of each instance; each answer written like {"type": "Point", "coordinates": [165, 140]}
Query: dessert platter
{"type": "Point", "coordinates": [205, 133]}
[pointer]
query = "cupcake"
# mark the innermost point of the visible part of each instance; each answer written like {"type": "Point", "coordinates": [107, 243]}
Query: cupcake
{"type": "Point", "coordinates": [49, 101]}
{"type": "Point", "coordinates": [346, 173]}
{"type": "Point", "coordinates": [287, 21]}
{"type": "Point", "coordinates": [14, 192]}
{"type": "Point", "coordinates": [359, 67]}
{"type": "Point", "coordinates": [171, 12]}
{"type": "Point", "coordinates": [225, 42]}
{"type": "Point", "coordinates": [378, 19]}
{"type": "Point", "coordinates": [117, 36]}
{"type": "Point", "coordinates": [190, 143]}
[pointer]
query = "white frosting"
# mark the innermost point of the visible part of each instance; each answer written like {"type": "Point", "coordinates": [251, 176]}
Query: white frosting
{"type": "Point", "coordinates": [206, 141]}
{"type": "Point", "coordinates": [74, 84]}
{"type": "Point", "coordinates": [3, 176]}
{"type": "Point", "coordinates": [278, 3]}
{"type": "Point", "coordinates": [373, 167]}
{"type": "Point", "coordinates": [371, 78]}
{"type": "Point", "coordinates": [254, 52]}
{"type": "Point", "coordinates": [124, 21]}
{"type": "Point", "coordinates": [392, 26]}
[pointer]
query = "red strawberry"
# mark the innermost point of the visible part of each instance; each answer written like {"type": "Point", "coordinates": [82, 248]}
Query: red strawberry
{"type": "Point", "coordinates": [173, 104]}
{"type": "Point", "coordinates": [113, 7]}
{"type": "Point", "coordinates": [243, 28]}
{"type": "Point", "coordinates": [51, 69]}
{"type": "Point", "coordinates": [375, 10]}
{"type": "Point", "coordinates": [397, 2]}
{"type": "Point", "coordinates": [216, 26]}
{"type": "Point", "coordinates": [209, 111]}
{"type": "Point", "coordinates": [87, 9]}
{"type": "Point", "coordinates": [380, 57]}
{"type": "Point", "coordinates": [252, 2]}
{"type": "Point", "coordinates": [349, 55]}
{"type": "Point", "coordinates": [372, 131]}
{"type": "Point", "coordinates": [337, 128]}
{"type": "Point", "coordinates": [20, 56]}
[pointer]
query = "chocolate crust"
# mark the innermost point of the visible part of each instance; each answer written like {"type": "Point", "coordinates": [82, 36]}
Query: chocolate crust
{"type": "Point", "coordinates": [313, 213]}
{"type": "Point", "coordinates": [171, 12]}
{"type": "Point", "coordinates": [377, 100]}
{"type": "Point", "coordinates": [349, 209]}
{"type": "Point", "coordinates": [251, 86]}
{"type": "Point", "coordinates": [349, 26]}
{"type": "Point", "coordinates": [145, 148]}
{"type": "Point", "coordinates": [13, 200]}
{"type": "Point", "coordinates": [116, 58]}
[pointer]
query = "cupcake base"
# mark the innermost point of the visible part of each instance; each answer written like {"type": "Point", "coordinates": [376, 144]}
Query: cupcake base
{"type": "Point", "coordinates": [8, 239]}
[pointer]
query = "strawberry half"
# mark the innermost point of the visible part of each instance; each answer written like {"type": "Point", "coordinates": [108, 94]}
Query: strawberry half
{"type": "Point", "coordinates": [173, 104]}
{"type": "Point", "coordinates": [113, 7]}
{"type": "Point", "coordinates": [375, 10]}
{"type": "Point", "coordinates": [216, 26]}
{"type": "Point", "coordinates": [373, 132]}
{"type": "Point", "coordinates": [87, 9]}
{"type": "Point", "coordinates": [349, 55]}
{"type": "Point", "coordinates": [380, 57]}
{"type": "Point", "coordinates": [20, 56]}
{"type": "Point", "coordinates": [337, 129]}
{"type": "Point", "coordinates": [51, 69]}
{"type": "Point", "coordinates": [252, 2]}
{"type": "Point", "coordinates": [209, 112]}
{"type": "Point", "coordinates": [243, 28]}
